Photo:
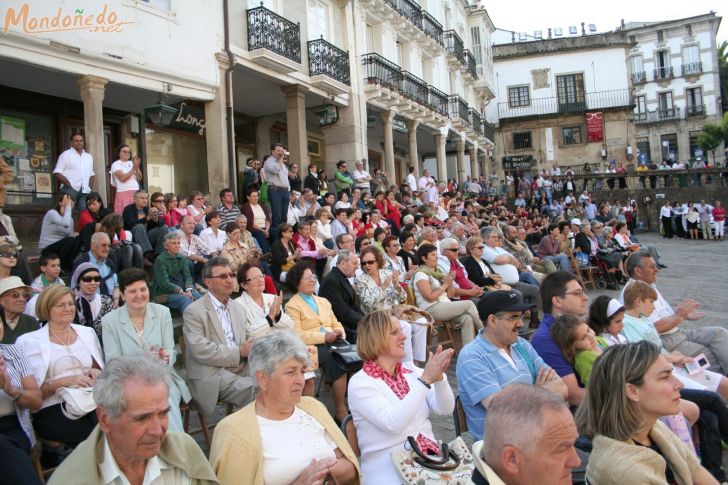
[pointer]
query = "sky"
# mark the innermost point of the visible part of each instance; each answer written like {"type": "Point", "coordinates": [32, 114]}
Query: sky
{"type": "Point", "coordinates": [606, 14]}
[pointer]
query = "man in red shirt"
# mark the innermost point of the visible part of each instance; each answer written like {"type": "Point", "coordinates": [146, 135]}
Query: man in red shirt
{"type": "Point", "coordinates": [448, 262]}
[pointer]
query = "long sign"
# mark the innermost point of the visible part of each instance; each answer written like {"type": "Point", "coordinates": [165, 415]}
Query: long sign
{"type": "Point", "coordinates": [594, 127]}
{"type": "Point", "coordinates": [189, 118]}
{"type": "Point", "coordinates": [522, 162]}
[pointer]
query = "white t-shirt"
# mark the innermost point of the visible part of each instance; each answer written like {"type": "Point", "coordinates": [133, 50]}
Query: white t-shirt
{"type": "Point", "coordinates": [78, 169]}
{"type": "Point", "coordinates": [214, 242]}
{"type": "Point", "coordinates": [412, 182]}
{"type": "Point", "coordinates": [192, 210]}
{"type": "Point", "coordinates": [434, 284]}
{"type": "Point", "coordinates": [125, 167]}
{"type": "Point", "coordinates": [291, 444]}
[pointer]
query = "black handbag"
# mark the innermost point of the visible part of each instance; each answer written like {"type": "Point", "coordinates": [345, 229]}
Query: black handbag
{"type": "Point", "coordinates": [345, 356]}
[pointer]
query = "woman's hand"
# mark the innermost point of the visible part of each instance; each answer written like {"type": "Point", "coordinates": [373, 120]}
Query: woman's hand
{"type": "Point", "coordinates": [297, 253]}
{"type": "Point", "coordinates": [275, 308]}
{"type": "Point", "coordinates": [330, 337]}
{"type": "Point", "coordinates": [449, 278]}
{"type": "Point", "coordinates": [395, 279]}
{"type": "Point", "coordinates": [315, 472]}
{"type": "Point", "coordinates": [437, 364]}
{"type": "Point", "coordinates": [83, 380]}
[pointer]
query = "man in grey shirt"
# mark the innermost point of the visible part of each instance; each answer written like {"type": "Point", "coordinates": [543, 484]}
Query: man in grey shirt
{"type": "Point", "coordinates": [276, 173]}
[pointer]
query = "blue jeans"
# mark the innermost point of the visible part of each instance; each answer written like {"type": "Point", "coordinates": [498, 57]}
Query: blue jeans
{"type": "Point", "coordinates": [180, 302]}
{"type": "Point", "coordinates": [560, 260]}
{"type": "Point", "coordinates": [526, 277]}
{"type": "Point", "coordinates": [79, 198]}
{"type": "Point", "coordinates": [260, 238]}
{"type": "Point", "coordinates": [279, 199]}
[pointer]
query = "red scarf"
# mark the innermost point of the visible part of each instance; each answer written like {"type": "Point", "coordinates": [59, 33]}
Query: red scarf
{"type": "Point", "coordinates": [397, 383]}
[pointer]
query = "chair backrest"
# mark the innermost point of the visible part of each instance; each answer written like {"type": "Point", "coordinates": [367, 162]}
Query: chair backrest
{"type": "Point", "coordinates": [411, 299]}
{"type": "Point", "coordinates": [458, 414]}
{"type": "Point", "coordinates": [349, 430]}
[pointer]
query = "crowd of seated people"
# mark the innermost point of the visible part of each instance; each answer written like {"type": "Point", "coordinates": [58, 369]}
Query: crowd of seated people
{"type": "Point", "coordinates": [263, 307]}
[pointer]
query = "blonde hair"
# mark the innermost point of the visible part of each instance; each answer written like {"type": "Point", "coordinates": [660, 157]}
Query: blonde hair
{"type": "Point", "coordinates": [638, 289]}
{"type": "Point", "coordinates": [373, 331]}
{"type": "Point", "coordinates": [48, 298]}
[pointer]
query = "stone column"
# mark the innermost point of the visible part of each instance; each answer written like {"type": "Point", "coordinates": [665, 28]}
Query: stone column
{"type": "Point", "coordinates": [414, 157]}
{"type": "Point", "coordinates": [460, 148]}
{"type": "Point", "coordinates": [473, 152]}
{"type": "Point", "coordinates": [387, 117]}
{"type": "Point", "coordinates": [216, 139]}
{"type": "Point", "coordinates": [296, 123]}
{"type": "Point", "coordinates": [441, 157]}
{"type": "Point", "coordinates": [92, 93]}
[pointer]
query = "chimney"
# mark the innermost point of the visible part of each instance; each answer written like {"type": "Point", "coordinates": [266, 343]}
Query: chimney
{"type": "Point", "coordinates": [549, 33]}
{"type": "Point", "coordinates": [583, 31]}
{"type": "Point", "coordinates": [622, 24]}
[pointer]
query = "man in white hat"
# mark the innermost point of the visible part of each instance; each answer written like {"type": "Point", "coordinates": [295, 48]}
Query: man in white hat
{"type": "Point", "coordinates": [13, 296]}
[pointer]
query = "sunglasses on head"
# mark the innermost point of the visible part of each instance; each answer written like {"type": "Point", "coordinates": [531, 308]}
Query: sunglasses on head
{"type": "Point", "coordinates": [89, 279]}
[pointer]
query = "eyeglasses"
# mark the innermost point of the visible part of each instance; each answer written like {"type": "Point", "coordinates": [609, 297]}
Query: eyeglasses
{"type": "Point", "coordinates": [157, 201]}
{"type": "Point", "coordinates": [255, 278]}
{"type": "Point", "coordinates": [578, 293]}
{"type": "Point", "coordinates": [17, 294]}
{"type": "Point", "coordinates": [8, 255]}
{"type": "Point", "coordinates": [310, 277]}
{"type": "Point", "coordinates": [512, 318]}
{"type": "Point", "coordinates": [224, 276]}
{"type": "Point", "coordinates": [480, 247]}
{"type": "Point", "coordinates": [89, 279]}
{"type": "Point", "coordinates": [367, 263]}
{"type": "Point", "coordinates": [450, 249]}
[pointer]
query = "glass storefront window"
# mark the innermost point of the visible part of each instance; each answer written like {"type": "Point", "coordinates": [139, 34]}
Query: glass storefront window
{"type": "Point", "coordinates": [26, 145]}
{"type": "Point", "coordinates": [175, 162]}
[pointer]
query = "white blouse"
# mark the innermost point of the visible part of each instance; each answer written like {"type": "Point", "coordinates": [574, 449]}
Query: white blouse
{"type": "Point", "coordinates": [257, 325]}
{"type": "Point", "coordinates": [214, 242]}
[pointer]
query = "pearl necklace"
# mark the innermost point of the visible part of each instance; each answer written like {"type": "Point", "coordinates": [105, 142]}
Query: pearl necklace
{"type": "Point", "coordinates": [66, 345]}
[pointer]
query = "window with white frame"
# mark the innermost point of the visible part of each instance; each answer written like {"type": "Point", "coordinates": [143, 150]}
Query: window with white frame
{"type": "Point", "coordinates": [570, 89]}
{"type": "Point", "coordinates": [318, 12]}
{"type": "Point", "coordinates": [694, 101]}
{"type": "Point", "coordinates": [691, 60]}
{"type": "Point", "coordinates": [572, 135]}
{"type": "Point", "coordinates": [638, 68]}
{"type": "Point", "coordinates": [477, 45]}
{"type": "Point", "coordinates": [518, 96]}
{"type": "Point", "coordinates": [665, 107]}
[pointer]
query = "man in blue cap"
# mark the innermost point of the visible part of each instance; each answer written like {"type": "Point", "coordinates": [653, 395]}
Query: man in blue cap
{"type": "Point", "coordinates": [499, 357]}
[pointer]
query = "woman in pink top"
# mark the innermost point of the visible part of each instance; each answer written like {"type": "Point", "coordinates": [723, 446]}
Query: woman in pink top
{"type": "Point", "coordinates": [719, 220]}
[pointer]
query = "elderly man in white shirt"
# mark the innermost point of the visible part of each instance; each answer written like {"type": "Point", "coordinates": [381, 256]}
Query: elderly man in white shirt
{"type": "Point", "coordinates": [75, 170]}
{"type": "Point", "coordinates": [361, 177]}
{"type": "Point", "coordinates": [131, 444]}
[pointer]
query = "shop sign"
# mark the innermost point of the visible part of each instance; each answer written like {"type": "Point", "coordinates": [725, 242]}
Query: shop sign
{"type": "Point", "coordinates": [189, 118]}
{"type": "Point", "coordinates": [594, 127]}
{"type": "Point", "coordinates": [103, 20]}
{"type": "Point", "coordinates": [521, 162]}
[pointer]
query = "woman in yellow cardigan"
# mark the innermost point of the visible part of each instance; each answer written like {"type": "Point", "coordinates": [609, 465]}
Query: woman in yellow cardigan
{"type": "Point", "coordinates": [281, 438]}
{"type": "Point", "coordinates": [315, 322]}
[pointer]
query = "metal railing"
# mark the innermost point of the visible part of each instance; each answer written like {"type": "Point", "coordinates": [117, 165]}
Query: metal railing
{"type": "Point", "coordinates": [470, 63]}
{"type": "Point", "coordinates": [489, 130]}
{"type": "Point", "coordinates": [437, 100]}
{"type": "Point", "coordinates": [475, 121]}
{"type": "Point", "coordinates": [414, 88]}
{"type": "Point", "coordinates": [543, 106]}
{"type": "Point", "coordinates": [454, 45]}
{"type": "Point", "coordinates": [325, 58]}
{"type": "Point", "coordinates": [268, 30]}
{"type": "Point", "coordinates": [458, 108]}
{"type": "Point", "coordinates": [639, 77]}
{"type": "Point", "coordinates": [695, 110]}
{"type": "Point", "coordinates": [432, 27]}
{"type": "Point", "coordinates": [411, 10]}
{"type": "Point", "coordinates": [663, 73]}
{"type": "Point", "coordinates": [692, 68]}
{"type": "Point", "coordinates": [379, 70]}
{"type": "Point", "coordinates": [657, 116]}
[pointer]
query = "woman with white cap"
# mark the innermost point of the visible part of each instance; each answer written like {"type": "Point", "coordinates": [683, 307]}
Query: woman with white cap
{"type": "Point", "coordinates": [13, 296]}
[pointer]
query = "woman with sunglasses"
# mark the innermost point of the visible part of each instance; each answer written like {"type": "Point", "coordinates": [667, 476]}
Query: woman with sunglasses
{"type": "Point", "coordinates": [90, 304]}
{"type": "Point", "coordinates": [197, 209]}
{"type": "Point", "coordinates": [125, 176]}
{"type": "Point", "coordinates": [141, 326]}
{"type": "Point", "coordinates": [13, 297]}
{"type": "Point", "coordinates": [8, 259]}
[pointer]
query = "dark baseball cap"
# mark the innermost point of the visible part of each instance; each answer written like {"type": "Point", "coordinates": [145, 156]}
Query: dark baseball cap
{"type": "Point", "coordinates": [501, 301]}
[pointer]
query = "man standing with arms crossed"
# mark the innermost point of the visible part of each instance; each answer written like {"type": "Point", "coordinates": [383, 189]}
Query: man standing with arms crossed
{"type": "Point", "coordinates": [75, 170]}
{"type": "Point", "coordinates": [279, 189]}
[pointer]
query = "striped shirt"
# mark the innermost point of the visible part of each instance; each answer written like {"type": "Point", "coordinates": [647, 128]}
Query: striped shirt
{"type": "Point", "coordinates": [18, 367]}
{"type": "Point", "coordinates": [227, 215]}
{"type": "Point", "coordinates": [483, 370]}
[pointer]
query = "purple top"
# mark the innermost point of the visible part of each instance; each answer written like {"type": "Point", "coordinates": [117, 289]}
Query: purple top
{"type": "Point", "coordinates": [547, 348]}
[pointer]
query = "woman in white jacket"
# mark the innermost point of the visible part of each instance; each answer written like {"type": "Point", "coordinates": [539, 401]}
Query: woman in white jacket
{"type": "Point", "coordinates": [390, 399]}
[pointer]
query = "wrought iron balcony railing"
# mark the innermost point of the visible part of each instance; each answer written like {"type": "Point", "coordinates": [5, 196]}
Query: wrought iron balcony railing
{"type": "Point", "coordinates": [695, 110]}
{"type": "Point", "coordinates": [454, 45]}
{"type": "Point", "coordinates": [325, 58]}
{"type": "Point", "coordinates": [268, 30]}
{"type": "Point", "coordinates": [458, 108]}
{"type": "Point", "coordinates": [639, 77]}
{"type": "Point", "coordinates": [544, 106]}
{"type": "Point", "coordinates": [410, 10]}
{"type": "Point", "coordinates": [432, 27]}
{"type": "Point", "coordinates": [437, 100]}
{"type": "Point", "coordinates": [414, 88]}
{"type": "Point", "coordinates": [379, 70]}
{"type": "Point", "coordinates": [489, 131]}
{"type": "Point", "coordinates": [475, 120]}
{"type": "Point", "coordinates": [663, 73]}
{"type": "Point", "coordinates": [692, 68]}
{"type": "Point", "coordinates": [657, 116]}
{"type": "Point", "coordinates": [470, 63]}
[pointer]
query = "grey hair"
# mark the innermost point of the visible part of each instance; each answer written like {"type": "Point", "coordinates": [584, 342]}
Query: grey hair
{"type": "Point", "coordinates": [515, 417]}
{"type": "Point", "coordinates": [595, 223]}
{"type": "Point", "coordinates": [344, 256]}
{"type": "Point", "coordinates": [214, 263]}
{"type": "Point", "coordinates": [447, 242]}
{"type": "Point", "coordinates": [458, 225]}
{"type": "Point", "coordinates": [109, 386]}
{"type": "Point", "coordinates": [273, 348]}
{"type": "Point", "coordinates": [171, 235]}
{"type": "Point", "coordinates": [606, 230]}
{"type": "Point", "coordinates": [488, 230]}
{"type": "Point", "coordinates": [635, 261]}
{"type": "Point", "coordinates": [96, 238]}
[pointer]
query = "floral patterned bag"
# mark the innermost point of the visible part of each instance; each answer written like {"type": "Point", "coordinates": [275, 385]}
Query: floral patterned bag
{"type": "Point", "coordinates": [414, 469]}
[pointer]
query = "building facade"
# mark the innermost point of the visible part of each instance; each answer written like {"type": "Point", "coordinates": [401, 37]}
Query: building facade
{"type": "Point", "coordinates": [675, 73]}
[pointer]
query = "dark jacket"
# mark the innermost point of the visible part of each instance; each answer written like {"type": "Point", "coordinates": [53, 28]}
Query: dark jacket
{"type": "Point", "coordinates": [313, 183]}
{"type": "Point", "coordinates": [582, 242]}
{"type": "Point", "coordinates": [475, 272]}
{"type": "Point", "coordinates": [279, 257]}
{"type": "Point", "coordinates": [247, 211]}
{"type": "Point", "coordinates": [339, 292]}
{"type": "Point", "coordinates": [129, 215]}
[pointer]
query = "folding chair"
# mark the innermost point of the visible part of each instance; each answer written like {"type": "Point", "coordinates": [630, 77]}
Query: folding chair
{"type": "Point", "coordinates": [458, 414]}
{"type": "Point", "coordinates": [349, 430]}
